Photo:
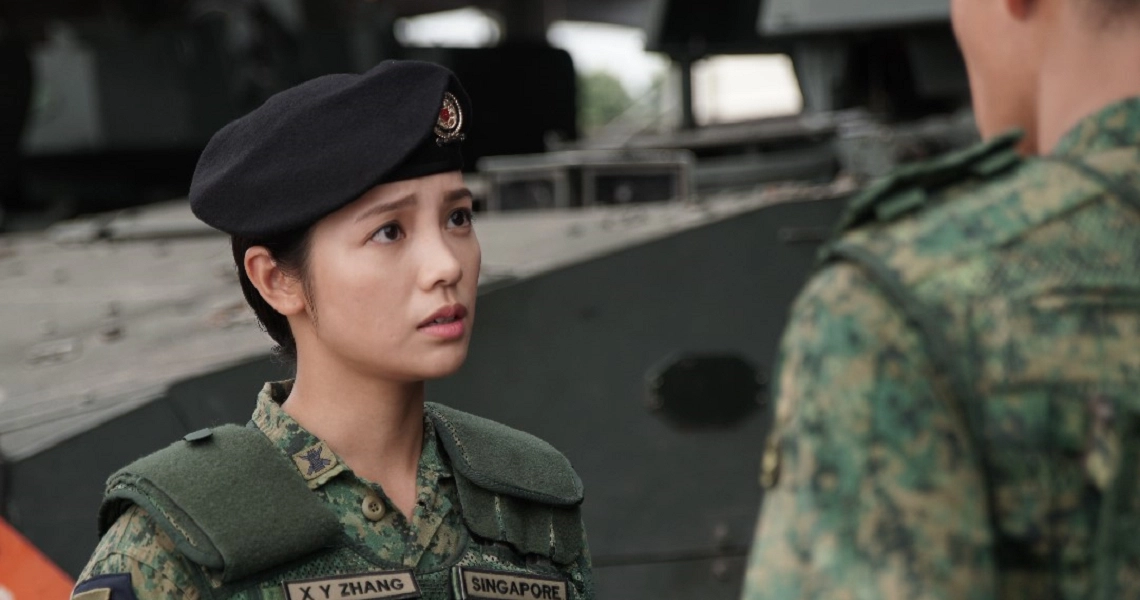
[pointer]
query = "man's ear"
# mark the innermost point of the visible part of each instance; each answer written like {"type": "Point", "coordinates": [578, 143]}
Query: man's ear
{"type": "Point", "coordinates": [1021, 9]}
{"type": "Point", "coordinates": [282, 291]}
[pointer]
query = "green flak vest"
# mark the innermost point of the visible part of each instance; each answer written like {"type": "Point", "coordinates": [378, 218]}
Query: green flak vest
{"type": "Point", "coordinates": [223, 495]}
{"type": "Point", "coordinates": [1115, 539]}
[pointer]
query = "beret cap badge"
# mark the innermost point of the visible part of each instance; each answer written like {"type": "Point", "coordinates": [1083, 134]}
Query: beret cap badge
{"type": "Point", "coordinates": [449, 125]}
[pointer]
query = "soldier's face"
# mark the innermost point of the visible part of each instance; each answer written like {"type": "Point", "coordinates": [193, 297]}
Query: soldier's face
{"type": "Point", "coordinates": [998, 42]}
{"type": "Point", "coordinates": [393, 279]}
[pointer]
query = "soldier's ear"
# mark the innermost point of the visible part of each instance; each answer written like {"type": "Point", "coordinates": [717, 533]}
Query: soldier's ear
{"type": "Point", "coordinates": [284, 292]}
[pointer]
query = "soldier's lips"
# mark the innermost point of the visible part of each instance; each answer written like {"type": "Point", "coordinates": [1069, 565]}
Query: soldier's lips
{"type": "Point", "coordinates": [447, 330]}
{"type": "Point", "coordinates": [446, 323]}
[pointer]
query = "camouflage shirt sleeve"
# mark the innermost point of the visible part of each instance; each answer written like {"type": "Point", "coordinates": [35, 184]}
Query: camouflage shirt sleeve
{"type": "Point", "coordinates": [875, 496]}
{"type": "Point", "coordinates": [136, 546]}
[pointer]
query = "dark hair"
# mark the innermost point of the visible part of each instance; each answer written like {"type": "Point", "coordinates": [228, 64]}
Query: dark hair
{"type": "Point", "coordinates": [1120, 5]}
{"type": "Point", "coordinates": [1108, 13]}
{"type": "Point", "coordinates": [291, 253]}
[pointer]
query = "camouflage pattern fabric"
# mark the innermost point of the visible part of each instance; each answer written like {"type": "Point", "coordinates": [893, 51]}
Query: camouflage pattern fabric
{"type": "Point", "coordinates": [978, 464]}
{"type": "Point", "coordinates": [433, 540]}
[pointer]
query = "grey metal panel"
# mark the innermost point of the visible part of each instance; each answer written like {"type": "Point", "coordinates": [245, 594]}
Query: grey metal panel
{"type": "Point", "coordinates": [96, 327]}
{"type": "Point", "coordinates": [225, 396]}
{"type": "Point", "coordinates": [703, 579]}
{"type": "Point", "coordinates": [578, 178]}
{"type": "Point", "coordinates": [688, 30]}
{"type": "Point", "coordinates": [631, 13]}
{"type": "Point", "coordinates": [785, 17]}
{"type": "Point", "coordinates": [92, 330]}
{"type": "Point", "coordinates": [55, 494]}
{"type": "Point", "coordinates": [122, 93]}
{"type": "Point", "coordinates": [937, 63]}
{"type": "Point", "coordinates": [65, 116]}
{"type": "Point", "coordinates": [143, 99]}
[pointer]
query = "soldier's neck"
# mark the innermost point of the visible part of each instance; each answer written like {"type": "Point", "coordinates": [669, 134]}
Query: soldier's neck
{"type": "Point", "coordinates": [1085, 71]}
{"type": "Point", "coordinates": [374, 426]}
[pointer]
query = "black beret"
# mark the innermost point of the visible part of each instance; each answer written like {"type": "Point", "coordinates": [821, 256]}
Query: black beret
{"type": "Point", "coordinates": [314, 148]}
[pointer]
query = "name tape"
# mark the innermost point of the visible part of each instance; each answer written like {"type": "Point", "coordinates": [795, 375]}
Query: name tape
{"type": "Point", "coordinates": [381, 585]}
{"type": "Point", "coordinates": [478, 584]}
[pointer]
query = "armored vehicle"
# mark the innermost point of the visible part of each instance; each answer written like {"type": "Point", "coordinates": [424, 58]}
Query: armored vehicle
{"type": "Point", "coordinates": [629, 307]}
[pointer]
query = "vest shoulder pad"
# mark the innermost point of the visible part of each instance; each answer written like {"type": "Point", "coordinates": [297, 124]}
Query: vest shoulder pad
{"type": "Point", "coordinates": [229, 500]}
{"type": "Point", "coordinates": [505, 460]}
{"type": "Point", "coordinates": [514, 487]}
{"type": "Point", "coordinates": [906, 189]}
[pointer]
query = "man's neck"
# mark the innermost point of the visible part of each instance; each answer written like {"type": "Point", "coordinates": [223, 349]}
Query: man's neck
{"type": "Point", "coordinates": [1084, 72]}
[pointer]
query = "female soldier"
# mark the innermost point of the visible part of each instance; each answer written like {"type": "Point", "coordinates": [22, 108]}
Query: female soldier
{"type": "Point", "coordinates": [353, 240]}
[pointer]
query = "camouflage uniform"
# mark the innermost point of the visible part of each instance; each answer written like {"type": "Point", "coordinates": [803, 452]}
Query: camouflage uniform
{"type": "Point", "coordinates": [433, 540]}
{"type": "Point", "coordinates": [959, 385]}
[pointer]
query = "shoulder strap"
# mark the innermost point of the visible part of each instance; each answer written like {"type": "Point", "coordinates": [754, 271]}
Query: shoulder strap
{"type": "Point", "coordinates": [906, 189]}
{"type": "Point", "coordinates": [956, 391]}
{"type": "Point", "coordinates": [951, 382]}
{"type": "Point", "coordinates": [227, 498]}
{"type": "Point", "coordinates": [513, 486]}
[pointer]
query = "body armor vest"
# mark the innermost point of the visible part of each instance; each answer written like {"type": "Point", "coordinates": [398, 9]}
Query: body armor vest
{"type": "Point", "coordinates": [235, 507]}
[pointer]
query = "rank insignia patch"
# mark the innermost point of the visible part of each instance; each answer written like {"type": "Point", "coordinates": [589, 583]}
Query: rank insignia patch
{"type": "Point", "coordinates": [449, 125]}
{"type": "Point", "coordinates": [314, 461]}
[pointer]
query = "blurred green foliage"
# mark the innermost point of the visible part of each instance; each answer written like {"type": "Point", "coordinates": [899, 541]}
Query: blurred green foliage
{"type": "Point", "coordinates": [602, 98]}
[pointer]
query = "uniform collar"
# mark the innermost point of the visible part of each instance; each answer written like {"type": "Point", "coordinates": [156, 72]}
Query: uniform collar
{"type": "Point", "coordinates": [1114, 126]}
{"type": "Point", "coordinates": [315, 461]}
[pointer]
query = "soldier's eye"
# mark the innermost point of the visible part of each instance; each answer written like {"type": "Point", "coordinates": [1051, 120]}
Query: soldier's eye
{"type": "Point", "coordinates": [392, 232]}
{"type": "Point", "coordinates": [462, 217]}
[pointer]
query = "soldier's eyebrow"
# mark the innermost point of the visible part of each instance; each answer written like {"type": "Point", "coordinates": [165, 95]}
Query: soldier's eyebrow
{"type": "Point", "coordinates": [457, 195]}
{"type": "Point", "coordinates": [410, 200]}
{"type": "Point", "coordinates": [406, 201]}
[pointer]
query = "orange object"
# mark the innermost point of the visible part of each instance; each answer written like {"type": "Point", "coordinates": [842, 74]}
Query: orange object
{"type": "Point", "coordinates": [25, 573]}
